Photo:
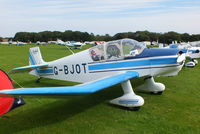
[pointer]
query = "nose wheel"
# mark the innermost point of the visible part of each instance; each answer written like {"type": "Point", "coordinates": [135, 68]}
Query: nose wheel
{"type": "Point", "coordinates": [150, 86]}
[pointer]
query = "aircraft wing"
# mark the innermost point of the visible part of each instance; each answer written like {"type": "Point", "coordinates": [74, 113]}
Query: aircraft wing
{"type": "Point", "coordinates": [82, 89]}
{"type": "Point", "coordinates": [27, 68]}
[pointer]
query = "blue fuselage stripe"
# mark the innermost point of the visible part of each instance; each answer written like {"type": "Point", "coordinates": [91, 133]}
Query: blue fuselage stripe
{"type": "Point", "coordinates": [40, 71]}
{"type": "Point", "coordinates": [133, 69]}
{"type": "Point", "coordinates": [45, 71]}
{"type": "Point", "coordinates": [127, 64]}
{"type": "Point", "coordinates": [31, 60]}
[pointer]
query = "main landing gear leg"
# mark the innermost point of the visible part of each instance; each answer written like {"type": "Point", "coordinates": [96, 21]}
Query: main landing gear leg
{"type": "Point", "coordinates": [38, 80]}
{"type": "Point", "coordinates": [129, 100]}
{"type": "Point", "coordinates": [151, 86]}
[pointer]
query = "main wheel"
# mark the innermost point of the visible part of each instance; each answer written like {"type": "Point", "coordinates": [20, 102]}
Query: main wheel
{"type": "Point", "coordinates": [134, 108]}
{"type": "Point", "coordinates": [38, 80]}
{"type": "Point", "coordinates": [157, 93]}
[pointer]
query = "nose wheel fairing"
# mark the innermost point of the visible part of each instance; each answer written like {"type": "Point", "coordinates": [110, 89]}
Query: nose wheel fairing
{"type": "Point", "coordinates": [150, 86]}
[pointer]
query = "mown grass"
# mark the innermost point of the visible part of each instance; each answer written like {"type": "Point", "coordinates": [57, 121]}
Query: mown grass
{"type": "Point", "coordinates": [176, 111]}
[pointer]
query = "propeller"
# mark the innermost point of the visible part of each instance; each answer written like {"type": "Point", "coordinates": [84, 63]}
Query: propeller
{"type": "Point", "coordinates": [181, 58]}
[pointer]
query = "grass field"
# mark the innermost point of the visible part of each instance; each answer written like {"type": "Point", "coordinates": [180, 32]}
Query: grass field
{"type": "Point", "coordinates": [176, 111]}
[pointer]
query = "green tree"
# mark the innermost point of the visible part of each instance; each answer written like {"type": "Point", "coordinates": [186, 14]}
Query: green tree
{"type": "Point", "coordinates": [70, 35]}
{"type": "Point", "coordinates": [185, 37]}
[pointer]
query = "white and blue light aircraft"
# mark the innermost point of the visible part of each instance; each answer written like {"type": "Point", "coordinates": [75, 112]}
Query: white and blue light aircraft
{"type": "Point", "coordinates": [73, 44]}
{"type": "Point", "coordinates": [98, 68]}
{"type": "Point", "coordinates": [191, 52]}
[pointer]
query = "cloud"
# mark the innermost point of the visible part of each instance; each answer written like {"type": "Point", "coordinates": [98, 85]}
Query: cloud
{"type": "Point", "coordinates": [85, 8]}
{"type": "Point", "coordinates": [99, 16]}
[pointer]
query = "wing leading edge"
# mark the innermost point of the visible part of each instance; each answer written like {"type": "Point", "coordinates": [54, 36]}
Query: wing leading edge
{"type": "Point", "coordinates": [86, 88]}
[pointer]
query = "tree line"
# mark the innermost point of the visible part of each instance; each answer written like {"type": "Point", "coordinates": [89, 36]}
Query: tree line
{"type": "Point", "coordinates": [168, 37]}
{"type": "Point", "coordinates": [85, 36]}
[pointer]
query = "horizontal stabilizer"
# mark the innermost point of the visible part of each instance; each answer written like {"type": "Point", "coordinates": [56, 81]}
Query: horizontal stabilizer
{"type": "Point", "coordinates": [28, 68]}
{"type": "Point", "coordinates": [82, 89]}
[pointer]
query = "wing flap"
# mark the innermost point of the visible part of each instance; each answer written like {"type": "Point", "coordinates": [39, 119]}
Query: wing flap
{"type": "Point", "coordinates": [27, 68]}
{"type": "Point", "coordinates": [87, 88]}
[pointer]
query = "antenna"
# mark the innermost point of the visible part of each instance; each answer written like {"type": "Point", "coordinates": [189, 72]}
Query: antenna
{"type": "Point", "coordinates": [69, 49]}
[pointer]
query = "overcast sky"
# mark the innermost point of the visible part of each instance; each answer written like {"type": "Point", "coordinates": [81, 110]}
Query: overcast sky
{"type": "Point", "coordinates": [99, 16]}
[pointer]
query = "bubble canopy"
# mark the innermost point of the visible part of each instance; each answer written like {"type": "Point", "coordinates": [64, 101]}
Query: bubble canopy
{"type": "Point", "coordinates": [117, 49]}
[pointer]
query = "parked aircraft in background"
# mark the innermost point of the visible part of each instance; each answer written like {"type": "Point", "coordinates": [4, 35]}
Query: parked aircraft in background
{"type": "Point", "coordinates": [52, 42]}
{"type": "Point", "coordinates": [97, 68]}
{"type": "Point", "coordinates": [195, 43]}
{"type": "Point", "coordinates": [4, 42]}
{"type": "Point", "coordinates": [60, 42]}
{"type": "Point", "coordinates": [70, 43]}
{"type": "Point", "coordinates": [18, 43]}
{"type": "Point", "coordinates": [191, 52]}
{"type": "Point", "coordinates": [41, 43]}
{"type": "Point", "coordinates": [74, 44]}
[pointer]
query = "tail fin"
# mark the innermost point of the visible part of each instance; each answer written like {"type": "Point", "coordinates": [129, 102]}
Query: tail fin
{"type": "Point", "coordinates": [35, 62]}
{"type": "Point", "coordinates": [7, 103]}
{"type": "Point", "coordinates": [35, 56]}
